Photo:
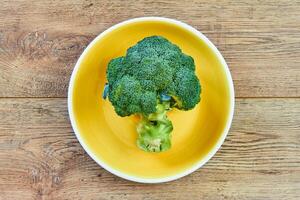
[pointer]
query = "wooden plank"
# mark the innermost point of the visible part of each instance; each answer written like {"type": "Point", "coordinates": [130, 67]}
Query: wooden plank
{"type": "Point", "coordinates": [40, 157]}
{"type": "Point", "coordinates": [41, 41]}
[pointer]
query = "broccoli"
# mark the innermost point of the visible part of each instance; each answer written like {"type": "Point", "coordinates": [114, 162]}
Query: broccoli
{"type": "Point", "coordinates": [152, 78]}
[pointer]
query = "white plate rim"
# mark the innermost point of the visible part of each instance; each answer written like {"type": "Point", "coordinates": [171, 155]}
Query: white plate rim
{"type": "Point", "coordinates": [195, 166]}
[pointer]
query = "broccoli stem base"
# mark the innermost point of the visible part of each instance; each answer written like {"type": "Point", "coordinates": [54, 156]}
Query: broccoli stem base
{"type": "Point", "coordinates": [154, 130]}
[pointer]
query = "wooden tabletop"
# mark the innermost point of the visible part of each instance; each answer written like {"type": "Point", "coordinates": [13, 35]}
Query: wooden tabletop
{"type": "Point", "coordinates": [40, 157]}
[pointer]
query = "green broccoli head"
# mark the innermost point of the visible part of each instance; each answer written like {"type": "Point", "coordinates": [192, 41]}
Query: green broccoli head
{"type": "Point", "coordinates": [139, 82]}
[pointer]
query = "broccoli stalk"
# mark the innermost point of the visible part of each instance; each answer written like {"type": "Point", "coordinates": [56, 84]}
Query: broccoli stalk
{"type": "Point", "coordinates": [155, 129]}
{"type": "Point", "coordinates": [153, 77]}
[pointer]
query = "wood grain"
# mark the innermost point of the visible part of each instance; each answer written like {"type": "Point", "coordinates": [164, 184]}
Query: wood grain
{"type": "Point", "coordinates": [40, 157]}
{"type": "Point", "coordinates": [40, 41]}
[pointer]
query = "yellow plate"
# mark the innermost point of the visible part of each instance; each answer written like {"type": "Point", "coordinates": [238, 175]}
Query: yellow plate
{"type": "Point", "coordinates": [111, 140]}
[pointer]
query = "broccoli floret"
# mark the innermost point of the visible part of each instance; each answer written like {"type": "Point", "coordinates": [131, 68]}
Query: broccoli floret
{"type": "Point", "coordinates": [153, 77]}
